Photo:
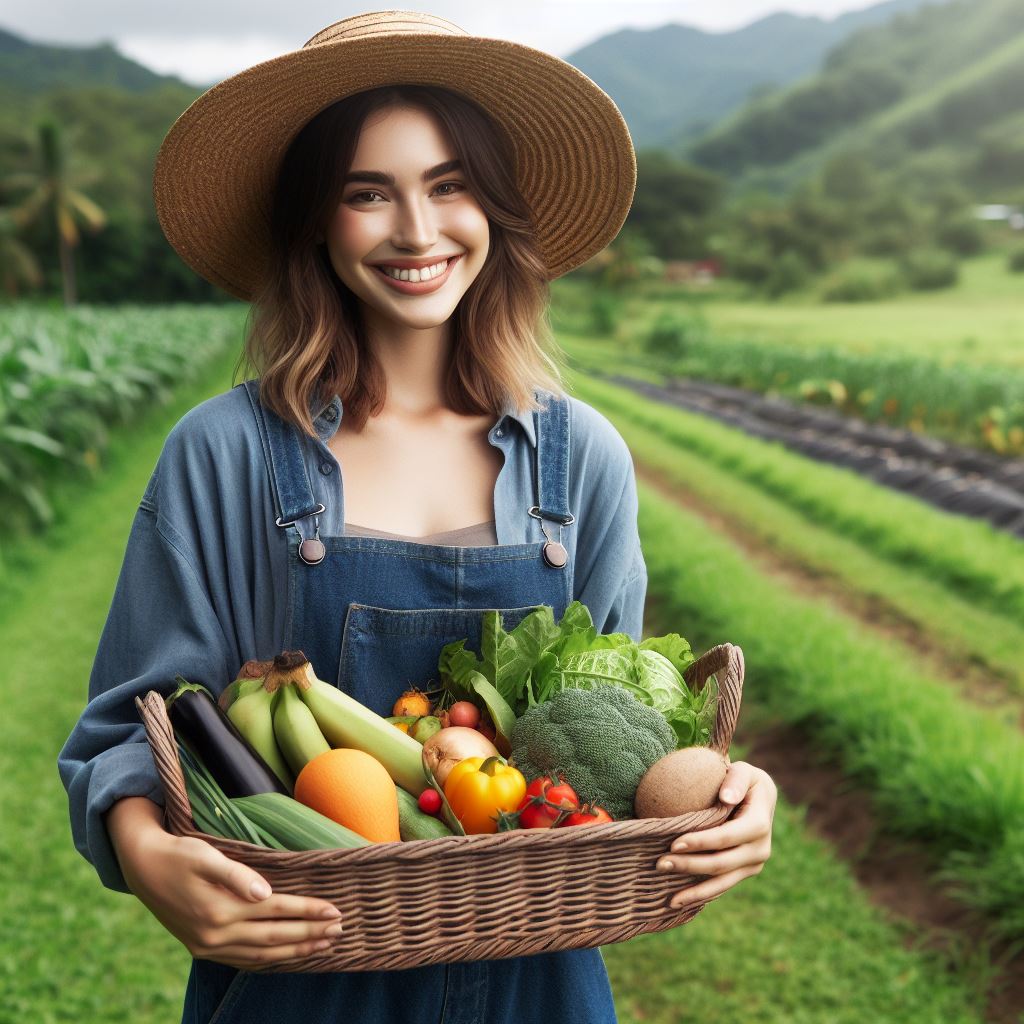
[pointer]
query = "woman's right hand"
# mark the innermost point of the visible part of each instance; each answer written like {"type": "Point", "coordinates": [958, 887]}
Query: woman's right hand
{"type": "Point", "coordinates": [218, 908]}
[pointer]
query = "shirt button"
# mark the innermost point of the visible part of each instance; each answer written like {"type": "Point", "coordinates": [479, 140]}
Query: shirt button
{"type": "Point", "coordinates": [326, 468]}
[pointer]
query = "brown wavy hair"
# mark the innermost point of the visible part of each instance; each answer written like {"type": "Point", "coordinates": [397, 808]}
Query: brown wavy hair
{"type": "Point", "coordinates": [304, 333]}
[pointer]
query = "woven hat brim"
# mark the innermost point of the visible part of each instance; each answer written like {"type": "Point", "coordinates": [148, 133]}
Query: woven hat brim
{"type": "Point", "coordinates": [215, 170]}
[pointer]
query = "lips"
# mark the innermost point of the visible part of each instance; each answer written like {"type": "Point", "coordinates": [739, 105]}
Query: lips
{"type": "Point", "coordinates": [419, 287]}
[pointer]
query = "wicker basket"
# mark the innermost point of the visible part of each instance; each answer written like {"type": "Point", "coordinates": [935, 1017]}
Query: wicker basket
{"type": "Point", "coordinates": [477, 897]}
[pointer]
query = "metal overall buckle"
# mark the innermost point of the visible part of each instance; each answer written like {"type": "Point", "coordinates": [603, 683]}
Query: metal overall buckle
{"type": "Point", "coordinates": [311, 551]}
{"type": "Point", "coordinates": [553, 551]}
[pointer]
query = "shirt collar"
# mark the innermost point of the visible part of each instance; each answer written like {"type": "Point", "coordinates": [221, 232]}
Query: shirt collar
{"type": "Point", "coordinates": [327, 418]}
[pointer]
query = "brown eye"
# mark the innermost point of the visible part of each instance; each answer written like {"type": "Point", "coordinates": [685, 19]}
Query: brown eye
{"type": "Point", "coordinates": [452, 184]}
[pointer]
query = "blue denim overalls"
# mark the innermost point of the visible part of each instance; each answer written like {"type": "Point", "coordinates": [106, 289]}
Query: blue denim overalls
{"type": "Point", "coordinates": [372, 616]}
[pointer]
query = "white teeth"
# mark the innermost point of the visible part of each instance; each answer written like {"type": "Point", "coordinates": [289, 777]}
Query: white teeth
{"type": "Point", "coordinates": [426, 274]}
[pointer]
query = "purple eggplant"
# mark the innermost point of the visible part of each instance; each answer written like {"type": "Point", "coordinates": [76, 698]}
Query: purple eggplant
{"type": "Point", "coordinates": [215, 740]}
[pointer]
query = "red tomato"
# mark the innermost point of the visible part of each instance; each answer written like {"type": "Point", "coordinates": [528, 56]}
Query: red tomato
{"type": "Point", "coordinates": [588, 815]}
{"type": "Point", "coordinates": [430, 801]}
{"type": "Point", "coordinates": [546, 800]}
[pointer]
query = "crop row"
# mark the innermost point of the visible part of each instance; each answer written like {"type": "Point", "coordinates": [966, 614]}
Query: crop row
{"type": "Point", "coordinates": [939, 769]}
{"type": "Point", "coordinates": [67, 377]}
{"type": "Point", "coordinates": [981, 406]}
{"type": "Point", "coordinates": [966, 555]}
{"type": "Point", "coordinates": [952, 624]}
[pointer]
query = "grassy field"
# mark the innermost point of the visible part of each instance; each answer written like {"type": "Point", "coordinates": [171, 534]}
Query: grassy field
{"type": "Point", "coordinates": [800, 943]}
{"type": "Point", "coordinates": [980, 320]}
{"type": "Point", "coordinates": [947, 363]}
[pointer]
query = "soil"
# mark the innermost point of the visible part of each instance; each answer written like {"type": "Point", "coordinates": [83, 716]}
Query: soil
{"type": "Point", "coordinates": [893, 871]}
{"type": "Point", "coordinates": [956, 479]}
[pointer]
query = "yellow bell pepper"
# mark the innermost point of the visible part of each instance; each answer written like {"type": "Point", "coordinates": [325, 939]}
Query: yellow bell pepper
{"type": "Point", "coordinates": [478, 788]}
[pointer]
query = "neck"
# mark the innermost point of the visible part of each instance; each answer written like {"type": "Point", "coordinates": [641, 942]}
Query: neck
{"type": "Point", "coordinates": [414, 360]}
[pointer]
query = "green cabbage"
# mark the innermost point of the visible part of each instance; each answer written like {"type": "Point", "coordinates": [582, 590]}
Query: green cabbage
{"type": "Point", "coordinates": [531, 663]}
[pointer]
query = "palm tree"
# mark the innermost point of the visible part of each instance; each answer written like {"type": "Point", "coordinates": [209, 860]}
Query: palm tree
{"type": "Point", "coordinates": [55, 191]}
{"type": "Point", "coordinates": [17, 264]}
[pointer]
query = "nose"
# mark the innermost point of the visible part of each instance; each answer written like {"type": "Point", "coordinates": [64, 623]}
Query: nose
{"type": "Point", "coordinates": [415, 226]}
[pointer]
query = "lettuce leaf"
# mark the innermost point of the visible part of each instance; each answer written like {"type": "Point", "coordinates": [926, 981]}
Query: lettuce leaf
{"type": "Point", "coordinates": [532, 662]}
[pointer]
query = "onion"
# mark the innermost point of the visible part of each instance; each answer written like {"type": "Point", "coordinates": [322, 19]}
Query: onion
{"type": "Point", "coordinates": [445, 749]}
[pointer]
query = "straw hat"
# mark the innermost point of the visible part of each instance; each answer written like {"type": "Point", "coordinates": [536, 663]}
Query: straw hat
{"type": "Point", "coordinates": [216, 168]}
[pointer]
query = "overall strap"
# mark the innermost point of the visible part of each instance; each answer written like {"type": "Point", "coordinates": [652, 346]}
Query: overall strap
{"type": "Point", "coordinates": [551, 465]}
{"type": "Point", "coordinates": [293, 497]}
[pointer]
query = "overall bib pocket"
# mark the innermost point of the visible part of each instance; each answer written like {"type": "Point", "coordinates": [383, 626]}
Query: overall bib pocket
{"type": "Point", "coordinates": [385, 651]}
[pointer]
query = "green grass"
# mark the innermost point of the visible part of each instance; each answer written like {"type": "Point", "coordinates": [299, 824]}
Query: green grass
{"type": "Point", "coordinates": [797, 944]}
{"type": "Point", "coordinates": [979, 321]}
{"type": "Point", "coordinates": [939, 769]}
{"type": "Point", "coordinates": [78, 952]}
{"type": "Point", "coordinates": [955, 625]}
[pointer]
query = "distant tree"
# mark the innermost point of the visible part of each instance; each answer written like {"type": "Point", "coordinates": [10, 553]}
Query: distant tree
{"type": "Point", "coordinates": [17, 264]}
{"type": "Point", "coordinates": [672, 203]}
{"type": "Point", "coordinates": [54, 192]}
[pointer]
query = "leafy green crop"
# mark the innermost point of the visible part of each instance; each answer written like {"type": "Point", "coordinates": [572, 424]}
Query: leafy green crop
{"type": "Point", "coordinates": [539, 657]}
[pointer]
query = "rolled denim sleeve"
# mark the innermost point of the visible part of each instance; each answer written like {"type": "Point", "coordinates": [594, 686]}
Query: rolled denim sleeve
{"type": "Point", "coordinates": [160, 623]}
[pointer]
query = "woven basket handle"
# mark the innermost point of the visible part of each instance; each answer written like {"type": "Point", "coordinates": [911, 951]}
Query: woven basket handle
{"type": "Point", "coordinates": [177, 810]}
{"type": "Point", "coordinates": [725, 663]}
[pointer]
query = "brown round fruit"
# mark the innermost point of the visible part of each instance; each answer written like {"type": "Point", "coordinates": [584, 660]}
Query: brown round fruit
{"type": "Point", "coordinates": [685, 780]}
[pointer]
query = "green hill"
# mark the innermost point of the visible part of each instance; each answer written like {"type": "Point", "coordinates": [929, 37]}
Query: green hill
{"type": "Point", "coordinates": [672, 83]}
{"type": "Point", "coordinates": [936, 92]}
{"type": "Point", "coordinates": [28, 67]}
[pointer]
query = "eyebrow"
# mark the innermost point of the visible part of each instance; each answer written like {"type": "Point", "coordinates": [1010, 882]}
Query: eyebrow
{"type": "Point", "coordinates": [380, 178]}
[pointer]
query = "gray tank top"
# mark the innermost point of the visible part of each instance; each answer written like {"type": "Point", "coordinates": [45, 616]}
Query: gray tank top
{"type": "Point", "coordinates": [477, 535]}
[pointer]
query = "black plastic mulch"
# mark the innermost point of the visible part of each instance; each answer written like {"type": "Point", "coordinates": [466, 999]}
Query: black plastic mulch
{"type": "Point", "coordinates": [952, 477]}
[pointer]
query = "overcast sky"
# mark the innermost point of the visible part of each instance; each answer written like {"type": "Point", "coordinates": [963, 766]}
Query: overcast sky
{"type": "Point", "coordinates": [204, 41]}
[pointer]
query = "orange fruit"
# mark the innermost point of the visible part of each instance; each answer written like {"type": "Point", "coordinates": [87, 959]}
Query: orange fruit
{"type": "Point", "coordinates": [354, 789]}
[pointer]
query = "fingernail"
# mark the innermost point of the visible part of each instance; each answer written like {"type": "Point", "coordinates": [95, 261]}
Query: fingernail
{"type": "Point", "coordinates": [329, 912]}
{"type": "Point", "coordinates": [323, 944]}
{"type": "Point", "coordinates": [260, 890]}
{"type": "Point", "coordinates": [729, 795]}
{"type": "Point", "coordinates": [664, 865]}
{"type": "Point", "coordinates": [678, 847]}
{"type": "Point", "coordinates": [334, 929]}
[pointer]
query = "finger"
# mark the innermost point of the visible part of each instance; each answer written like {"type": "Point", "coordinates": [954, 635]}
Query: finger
{"type": "Point", "coordinates": [233, 875]}
{"type": "Point", "coordinates": [710, 889]}
{"type": "Point", "coordinates": [745, 827]}
{"type": "Point", "coordinates": [246, 957]}
{"type": "Point", "coordinates": [285, 905]}
{"type": "Point", "coordinates": [738, 780]}
{"type": "Point", "coordinates": [277, 933]}
{"type": "Point", "coordinates": [713, 863]}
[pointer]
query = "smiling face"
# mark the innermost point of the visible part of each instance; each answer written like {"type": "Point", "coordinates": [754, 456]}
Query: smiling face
{"type": "Point", "coordinates": [390, 217]}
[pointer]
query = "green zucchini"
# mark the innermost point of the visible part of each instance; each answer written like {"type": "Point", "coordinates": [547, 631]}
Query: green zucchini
{"type": "Point", "coordinates": [414, 823]}
{"type": "Point", "coordinates": [294, 825]}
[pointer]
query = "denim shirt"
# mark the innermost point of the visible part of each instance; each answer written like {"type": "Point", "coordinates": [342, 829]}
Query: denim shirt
{"type": "Point", "coordinates": [203, 584]}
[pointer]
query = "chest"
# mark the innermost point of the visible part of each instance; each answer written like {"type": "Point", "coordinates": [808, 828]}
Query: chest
{"type": "Point", "coordinates": [418, 481]}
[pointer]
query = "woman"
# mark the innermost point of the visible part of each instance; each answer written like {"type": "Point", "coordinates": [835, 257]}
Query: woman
{"type": "Point", "coordinates": [471, 480]}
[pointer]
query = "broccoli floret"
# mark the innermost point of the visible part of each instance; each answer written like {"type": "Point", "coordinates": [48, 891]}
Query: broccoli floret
{"type": "Point", "coordinates": [602, 740]}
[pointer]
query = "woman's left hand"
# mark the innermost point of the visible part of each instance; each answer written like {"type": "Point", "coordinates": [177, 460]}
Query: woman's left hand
{"type": "Point", "coordinates": [743, 843]}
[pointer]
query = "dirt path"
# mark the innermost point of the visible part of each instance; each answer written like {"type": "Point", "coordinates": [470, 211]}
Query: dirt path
{"type": "Point", "coordinates": [892, 871]}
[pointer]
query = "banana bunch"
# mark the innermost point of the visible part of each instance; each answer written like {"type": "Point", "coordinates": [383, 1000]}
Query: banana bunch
{"type": "Point", "coordinates": [289, 717]}
{"type": "Point", "coordinates": [277, 725]}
